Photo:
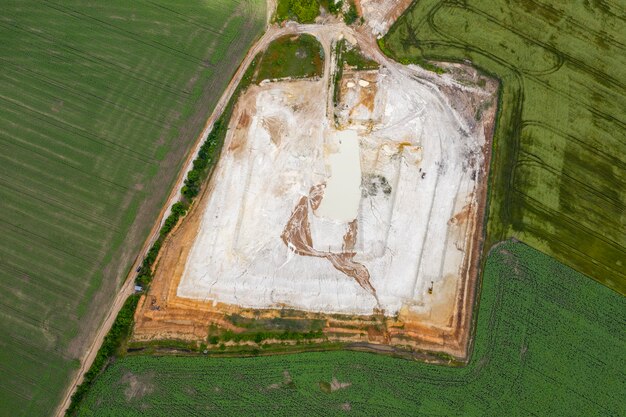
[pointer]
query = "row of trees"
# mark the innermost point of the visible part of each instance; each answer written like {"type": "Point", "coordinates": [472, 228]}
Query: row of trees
{"type": "Point", "coordinates": [123, 324]}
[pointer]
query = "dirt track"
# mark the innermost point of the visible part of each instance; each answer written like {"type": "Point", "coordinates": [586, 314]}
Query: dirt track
{"type": "Point", "coordinates": [128, 287]}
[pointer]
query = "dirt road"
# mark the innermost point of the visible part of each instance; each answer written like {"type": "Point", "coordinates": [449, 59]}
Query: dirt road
{"type": "Point", "coordinates": [128, 286]}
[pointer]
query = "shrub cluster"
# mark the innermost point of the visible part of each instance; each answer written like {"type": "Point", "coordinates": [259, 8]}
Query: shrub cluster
{"type": "Point", "coordinates": [258, 337]}
{"type": "Point", "coordinates": [190, 190]}
{"type": "Point", "coordinates": [203, 161]}
{"type": "Point", "coordinates": [304, 11]}
{"type": "Point", "coordinates": [351, 15]}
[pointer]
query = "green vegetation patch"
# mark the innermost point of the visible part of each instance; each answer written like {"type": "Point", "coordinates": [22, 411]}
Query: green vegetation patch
{"type": "Point", "coordinates": [305, 11]}
{"type": "Point", "coordinates": [352, 14]}
{"type": "Point", "coordinates": [264, 330]}
{"type": "Point", "coordinates": [295, 56]}
{"type": "Point", "coordinates": [99, 104]}
{"type": "Point", "coordinates": [351, 56]}
{"type": "Point", "coordinates": [558, 177]}
{"type": "Point", "coordinates": [276, 323]}
{"type": "Point", "coordinates": [549, 341]}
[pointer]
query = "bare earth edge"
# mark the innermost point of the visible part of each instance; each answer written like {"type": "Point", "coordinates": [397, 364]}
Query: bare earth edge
{"type": "Point", "coordinates": [461, 344]}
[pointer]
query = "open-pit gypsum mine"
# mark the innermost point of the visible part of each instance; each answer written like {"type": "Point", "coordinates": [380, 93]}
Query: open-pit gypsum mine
{"type": "Point", "coordinates": [371, 206]}
{"type": "Point", "coordinates": [405, 169]}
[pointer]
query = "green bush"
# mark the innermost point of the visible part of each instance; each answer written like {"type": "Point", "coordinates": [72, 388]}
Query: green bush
{"type": "Point", "coordinates": [303, 11]}
{"type": "Point", "coordinates": [180, 208]}
{"type": "Point", "coordinates": [334, 7]}
{"type": "Point", "coordinates": [351, 15]}
{"type": "Point", "coordinates": [258, 337]}
{"type": "Point", "coordinates": [306, 10]}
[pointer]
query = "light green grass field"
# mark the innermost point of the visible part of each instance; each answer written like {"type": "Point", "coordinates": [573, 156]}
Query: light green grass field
{"type": "Point", "coordinates": [99, 104]}
{"type": "Point", "coordinates": [559, 164]}
{"type": "Point", "coordinates": [550, 342]}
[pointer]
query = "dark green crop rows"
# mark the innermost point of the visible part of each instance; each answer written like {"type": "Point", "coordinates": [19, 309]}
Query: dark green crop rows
{"type": "Point", "coordinates": [99, 105]}
{"type": "Point", "coordinates": [559, 159]}
{"type": "Point", "coordinates": [550, 342]}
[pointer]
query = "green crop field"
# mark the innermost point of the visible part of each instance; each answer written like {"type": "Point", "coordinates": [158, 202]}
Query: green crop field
{"type": "Point", "coordinates": [559, 163]}
{"type": "Point", "coordinates": [550, 342]}
{"type": "Point", "coordinates": [99, 104]}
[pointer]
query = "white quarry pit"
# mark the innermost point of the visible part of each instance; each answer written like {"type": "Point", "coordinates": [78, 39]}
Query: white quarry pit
{"type": "Point", "coordinates": [402, 170]}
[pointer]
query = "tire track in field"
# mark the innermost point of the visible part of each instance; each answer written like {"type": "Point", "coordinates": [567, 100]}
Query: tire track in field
{"type": "Point", "coordinates": [45, 133]}
{"type": "Point", "coordinates": [183, 17]}
{"type": "Point", "coordinates": [50, 201]}
{"type": "Point", "coordinates": [74, 240]}
{"type": "Point", "coordinates": [47, 118]}
{"type": "Point", "coordinates": [574, 224]}
{"type": "Point", "coordinates": [614, 159]}
{"type": "Point", "coordinates": [85, 98]}
{"type": "Point", "coordinates": [84, 56]}
{"type": "Point", "coordinates": [57, 282]}
{"type": "Point", "coordinates": [431, 22]}
{"type": "Point", "coordinates": [131, 35]}
{"type": "Point", "coordinates": [81, 86]}
{"type": "Point", "coordinates": [14, 167]}
{"type": "Point", "coordinates": [575, 23]}
{"type": "Point", "coordinates": [584, 222]}
{"type": "Point", "coordinates": [578, 25]}
{"type": "Point", "coordinates": [598, 75]}
{"type": "Point", "coordinates": [601, 176]}
{"type": "Point", "coordinates": [529, 156]}
{"type": "Point", "coordinates": [43, 241]}
{"type": "Point", "coordinates": [59, 160]}
{"type": "Point", "coordinates": [569, 249]}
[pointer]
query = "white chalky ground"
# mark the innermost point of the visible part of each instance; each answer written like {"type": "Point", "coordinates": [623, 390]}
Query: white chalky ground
{"type": "Point", "coordinates": [403, 169]}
